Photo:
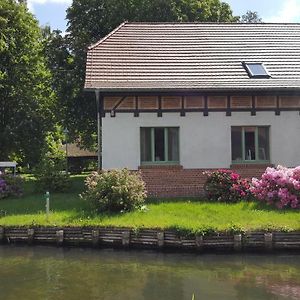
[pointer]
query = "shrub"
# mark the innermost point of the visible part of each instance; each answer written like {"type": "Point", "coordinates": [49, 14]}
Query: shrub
{"type": "Point", "coordinates": [10, 186]}
{"type": "Point", "coordinates": [278, 186]}
{"type": "Point", "coordinates": [226, 186]}
{"type": "Point", "coordinates": [115, 191]}
{"type": "Point", "coordinates": [50, 176]}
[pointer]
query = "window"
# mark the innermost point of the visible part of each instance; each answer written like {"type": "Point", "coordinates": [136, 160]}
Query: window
{"type": "Point", "coordinates": [256, 70]}
{"type": "Point", "coordinates": [159, 145]}
{"type": "Point", "coordinates": [250, 144]}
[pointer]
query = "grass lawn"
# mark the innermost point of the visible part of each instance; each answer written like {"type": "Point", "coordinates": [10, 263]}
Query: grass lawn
{"type": "Point", "coordinates": [192, 216]}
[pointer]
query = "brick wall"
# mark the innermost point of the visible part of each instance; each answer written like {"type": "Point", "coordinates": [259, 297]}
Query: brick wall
{"type": "Point", "coordinates": [174, 181]}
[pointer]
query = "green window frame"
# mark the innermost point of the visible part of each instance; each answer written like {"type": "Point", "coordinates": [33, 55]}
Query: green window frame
{"type": "Point", "coordinates": [250, 144]}
{"type": "Point", "coordinates": [159, 145]}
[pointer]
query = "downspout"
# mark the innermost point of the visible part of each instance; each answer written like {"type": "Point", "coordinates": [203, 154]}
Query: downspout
{"type": "Point", "coordinates": [99, 103]}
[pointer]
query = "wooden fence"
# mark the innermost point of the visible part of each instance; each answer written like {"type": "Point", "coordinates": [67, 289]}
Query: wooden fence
{"type": "Point", "coordinates": [147, 238]}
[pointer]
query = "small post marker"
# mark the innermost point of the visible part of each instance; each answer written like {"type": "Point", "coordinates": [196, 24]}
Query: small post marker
{"type": "Point", "coordinates": [47, 197]}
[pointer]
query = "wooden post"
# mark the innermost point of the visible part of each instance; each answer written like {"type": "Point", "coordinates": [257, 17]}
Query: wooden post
{"type": "Point", "coordinates": [160, 239]}
{"type": "Point", "coordinates": [95, 237]}
{"type": "Point", "coordinates": [237, 242]}
{"type": "Point", "coordinates": [269, 241]}
{"type": "Point", "coordinates": [2, 233]}
{"type": "Point", "coordinates": [30, 235]}
{"type": "Point", "coordinates": [59, 237]}
{"type": "Point", "coordinates": [125, 238]}
{"type": "Point", "coordinates": [199, 242]}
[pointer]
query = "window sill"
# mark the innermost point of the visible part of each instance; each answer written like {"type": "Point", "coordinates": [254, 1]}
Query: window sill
{"type": "Point", "coordinates": [256, 164]}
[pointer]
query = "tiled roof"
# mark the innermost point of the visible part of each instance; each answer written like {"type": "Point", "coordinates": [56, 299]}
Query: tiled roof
{"type": "Point", "coordinates": [194, 56]}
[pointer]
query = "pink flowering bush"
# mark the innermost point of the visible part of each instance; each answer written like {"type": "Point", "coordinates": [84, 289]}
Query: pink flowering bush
{"type": "Point", "coordinates": [226, 186]}
{"type": "Point", "coordinates": [278, 186]}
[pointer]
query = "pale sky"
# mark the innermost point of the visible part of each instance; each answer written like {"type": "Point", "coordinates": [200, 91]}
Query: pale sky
{"type": "Point", "coordinates": [53, 12]}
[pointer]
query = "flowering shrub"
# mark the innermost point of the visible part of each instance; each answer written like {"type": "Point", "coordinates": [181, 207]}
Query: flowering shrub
{"type": "Point", "coordinates": [226, 186]}
{"type": "Point", "coordinates": [115, 191]}
{"type": "Point", "coordinates": [278, 186]}
{"type": "Point", "coordinates": [10, 186]}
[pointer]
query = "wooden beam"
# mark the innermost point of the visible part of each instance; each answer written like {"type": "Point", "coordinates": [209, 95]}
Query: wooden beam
{"type": "Point", "coordinates": [113, 110]}
{"type": "Point", "coordinates": [277, 111]}
{"type": "Point", "coordinates": [136, 111]}
{"type": "Point", "coordinates": [228, 109]}
{"type": "Point", "coordinates": [182, 112]}
{"type": "Point", "coordinates": [205, 112]}
{"type": "Point", "coordinates": [253, 109]}
{"type": "Point", "coordinates": [159, 112]}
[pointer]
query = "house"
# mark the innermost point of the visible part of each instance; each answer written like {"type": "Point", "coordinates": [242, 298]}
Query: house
{"type": "Point", "coordinates": [176, 99]}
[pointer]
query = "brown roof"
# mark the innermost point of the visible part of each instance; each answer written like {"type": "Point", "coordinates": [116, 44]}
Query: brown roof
{"type": "Point", "coordinates": [76, 151]}
{"type": "Point", "coordinates": [194, 56]}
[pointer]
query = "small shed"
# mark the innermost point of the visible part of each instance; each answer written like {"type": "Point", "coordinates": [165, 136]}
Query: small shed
{"type": "Point", "coordinates": [79, 159]}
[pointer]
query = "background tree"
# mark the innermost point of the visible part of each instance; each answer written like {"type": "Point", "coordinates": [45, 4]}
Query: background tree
{"type": "Point", "coordinates": [26, 97]}
{"type": "Point", "coordinates": [90, 20]}
{"type": "Point", "coordinates": [251, 17]}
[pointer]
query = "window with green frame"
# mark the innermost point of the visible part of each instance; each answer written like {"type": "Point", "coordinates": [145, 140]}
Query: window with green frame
{"type": "Point", "coordinates": [250, 144]}
{"type": "Point", "coordinates": [159, 145]}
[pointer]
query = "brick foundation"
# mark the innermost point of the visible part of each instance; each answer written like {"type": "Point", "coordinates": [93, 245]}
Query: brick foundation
{"type": "Point", "coordinates": [175, 181]}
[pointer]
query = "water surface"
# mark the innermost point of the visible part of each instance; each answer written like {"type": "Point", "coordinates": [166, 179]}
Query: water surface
{"type": "Point", "coordinates": [56, 273]}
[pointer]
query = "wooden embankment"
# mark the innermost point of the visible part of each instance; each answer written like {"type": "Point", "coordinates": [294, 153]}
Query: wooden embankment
{"type": "Point", "coordinates": [149, 238]}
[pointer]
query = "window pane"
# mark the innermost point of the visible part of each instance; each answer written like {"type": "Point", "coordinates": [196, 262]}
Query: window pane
{"type": "Point", "coordinates": [159, 144]}
{"type": "Point", "coordinates": [173, 144]}
{"type": "Point", "coordinates": [236, 143]}
{"type": "Point", "coordinates": [146, 144]}
{"type": "Point", "coordinates": [249, 143]}
{"type": "Point", "coordinates": [263, 143]}
{"type": "Point", "coordinates": [257, 69]}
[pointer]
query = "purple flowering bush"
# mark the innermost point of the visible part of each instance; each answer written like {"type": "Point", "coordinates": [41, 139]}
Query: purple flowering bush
{"type": "Point", "coordinates": [226, 186]}
{"type": "Point", "coordinates": [278, 186]}
{"type": "Point", "coordinates": [10, 186]}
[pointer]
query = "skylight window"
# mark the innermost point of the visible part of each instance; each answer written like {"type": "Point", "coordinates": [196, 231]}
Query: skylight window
{"type": "Point", "coordinates": [256, 70]}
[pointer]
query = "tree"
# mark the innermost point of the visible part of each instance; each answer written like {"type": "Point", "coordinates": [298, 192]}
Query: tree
{"type": "Point", "coordinates": [25, 87]}
{"type": "Point", "coordinates": [251, 17]}
{"type": "Point", "coordinates": [90, 20]}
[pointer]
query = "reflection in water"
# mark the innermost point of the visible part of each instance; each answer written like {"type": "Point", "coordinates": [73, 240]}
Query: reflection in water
{"type": "Point", "coordinates": [52, 273]}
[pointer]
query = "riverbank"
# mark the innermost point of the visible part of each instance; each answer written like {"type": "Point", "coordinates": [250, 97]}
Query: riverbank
{"type": "Point", "coordinates": [150, 238]}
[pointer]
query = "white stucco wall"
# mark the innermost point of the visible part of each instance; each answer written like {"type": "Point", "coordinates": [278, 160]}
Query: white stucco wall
{"type": "Point", "coordinates": [205, 142]}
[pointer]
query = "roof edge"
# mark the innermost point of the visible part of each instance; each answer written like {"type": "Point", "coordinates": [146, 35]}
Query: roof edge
{"type": "Point", "coordinates": [212, 23]}
{"type": "Point", "coordinates": [193, 90]}
{"type": "Point", "coordinates": [107, 36]}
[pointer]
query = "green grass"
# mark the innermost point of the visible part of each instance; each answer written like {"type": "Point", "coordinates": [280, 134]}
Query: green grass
{"type": "Point", "coordinates": [67, 209]}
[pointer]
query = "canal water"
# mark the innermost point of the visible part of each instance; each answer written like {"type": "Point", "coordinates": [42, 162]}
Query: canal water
{"type": "Point", "coordinates": [57, 273]}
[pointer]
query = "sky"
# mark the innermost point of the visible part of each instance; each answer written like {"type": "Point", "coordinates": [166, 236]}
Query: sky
{"type": "Point", "coordinates": [53, 12]}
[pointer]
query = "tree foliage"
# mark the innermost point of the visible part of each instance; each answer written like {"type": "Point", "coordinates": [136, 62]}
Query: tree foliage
{"type": "Point", "coordinates": [90, 20]}
{"type": "Point", "coordinates": [251, 17]}
{"type": "Point", "coordinates": [26, 97]}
